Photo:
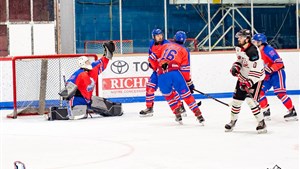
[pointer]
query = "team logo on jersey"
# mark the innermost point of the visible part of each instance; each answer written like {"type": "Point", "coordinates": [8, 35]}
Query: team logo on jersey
{"type": "Point", "coordinates": [91, 86]}
{"type": "Point", "coordinates": [119, 67]}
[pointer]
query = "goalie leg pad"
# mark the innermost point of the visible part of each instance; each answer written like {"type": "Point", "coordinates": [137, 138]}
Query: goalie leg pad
{"type": "Point", "coordinates": [58, 113]}
{"type": "Point", "coordinates": [79, 112]}
{"type": "Point", "coordinates": [106, 107]}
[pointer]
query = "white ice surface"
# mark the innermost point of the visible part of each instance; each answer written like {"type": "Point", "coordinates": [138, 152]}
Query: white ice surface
{"type": "Point", "coordinates": [158, 142]}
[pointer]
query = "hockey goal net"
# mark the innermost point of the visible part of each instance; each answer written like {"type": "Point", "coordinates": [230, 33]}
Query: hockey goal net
{"type": "Point", "coordinates": [37, 80]}
{"type": "Point", "coordinates": [190, 43]}
{"type": "Point", "coordinates": [96, 46]}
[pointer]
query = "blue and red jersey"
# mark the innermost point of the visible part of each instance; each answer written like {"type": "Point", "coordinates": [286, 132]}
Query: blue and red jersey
{"type": "Point", "coordinates": [271, 58]}
{"type": "Point", "coordinates": [176, 57]}
{"type": "Point", "coordinates": [154, 50]}
{"type": "Point", "coordinates": [85, 81]}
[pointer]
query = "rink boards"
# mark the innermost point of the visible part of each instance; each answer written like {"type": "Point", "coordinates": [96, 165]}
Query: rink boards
{"type": "Point", "coordinates": [126, 76]}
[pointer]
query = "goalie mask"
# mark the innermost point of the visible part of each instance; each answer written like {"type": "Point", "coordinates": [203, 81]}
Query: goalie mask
{"type": "Point", "coordinates": [83, 62]}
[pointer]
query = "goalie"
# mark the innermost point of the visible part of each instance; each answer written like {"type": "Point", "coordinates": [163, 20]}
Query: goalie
{"type": "Point", "coordinates": [80, 86]}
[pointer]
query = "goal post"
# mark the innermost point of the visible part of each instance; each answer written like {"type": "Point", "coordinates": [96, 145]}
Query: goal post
{"type": "Point", "coordinates": [190, 43]}
{"type": "Point", "coordinates": [95, 46]}
{"type": "Point", "coordinates": [37, 80]}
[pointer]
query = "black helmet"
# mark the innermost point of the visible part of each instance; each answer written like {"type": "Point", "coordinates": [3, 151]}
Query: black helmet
{"type": "Point", "coordinates": [244, 32]}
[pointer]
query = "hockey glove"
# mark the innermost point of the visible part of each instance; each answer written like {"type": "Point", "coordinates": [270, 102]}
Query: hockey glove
{"type": "Point", "coordinates": [246, 84]}
{"type": "Point", "coordinates": [235, 69]}
{"type": "Point", "coordinates": [109, 48]}
{"type": "Point", "coordinates": [164, 66]}
{"type": "Point", "coordinates": [190, 85]}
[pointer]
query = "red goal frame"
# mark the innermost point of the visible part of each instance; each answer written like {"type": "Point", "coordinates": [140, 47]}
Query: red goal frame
{"type": "Point", "coordinates": [118, 49]}
{"type": "Point", "coordinates": [195, 43]}
{"type": "Point", "coordinates": [14, 59]}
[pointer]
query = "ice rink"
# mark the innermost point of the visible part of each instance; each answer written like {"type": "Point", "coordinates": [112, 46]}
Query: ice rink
{"type": "Point", "coordinates": [158, 142]}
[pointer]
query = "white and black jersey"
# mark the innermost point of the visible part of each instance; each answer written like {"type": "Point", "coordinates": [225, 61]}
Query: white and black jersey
{"type": "Point", "coordinates": [252, 65]}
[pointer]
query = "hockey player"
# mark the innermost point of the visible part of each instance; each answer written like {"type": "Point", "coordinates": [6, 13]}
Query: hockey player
{"type": "Point", "coordinates": [85, 78]}
{"type": "Point", "coordinates": [155, 46]}
{"type": "Point", "coordinates": [249, 69]}
{"type": "Point", "coordinates": [174, 74]}
{"type": "Point", "coordinates": [275, 77]}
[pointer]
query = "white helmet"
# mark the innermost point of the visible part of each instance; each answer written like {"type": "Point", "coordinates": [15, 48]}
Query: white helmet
{"type": "Point", "coordinates": [81, 61]}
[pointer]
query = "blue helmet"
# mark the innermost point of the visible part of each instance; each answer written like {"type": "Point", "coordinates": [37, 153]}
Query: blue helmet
{"type": "Point", "coordinates": [180, 37]}
{"type": "Point", "coordinates": [260, 37]}
{"type": "Point", "coordinates": [156, 32]}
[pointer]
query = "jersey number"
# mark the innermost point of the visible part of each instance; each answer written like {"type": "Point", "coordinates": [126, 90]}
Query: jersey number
{"type": "Point", "coordinates": [254, 65]}
{"type": "Point", "coordinates": [170, 55]}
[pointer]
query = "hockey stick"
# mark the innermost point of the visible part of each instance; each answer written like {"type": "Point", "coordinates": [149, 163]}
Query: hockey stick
{"type": "Point", "coordinates": [226, 104]}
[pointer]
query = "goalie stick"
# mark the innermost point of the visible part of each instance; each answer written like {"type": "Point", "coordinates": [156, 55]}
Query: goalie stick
{"type": "Point", "coordinates": [226, 104]}
{"type": "Point", "coordinates": [68, 104]}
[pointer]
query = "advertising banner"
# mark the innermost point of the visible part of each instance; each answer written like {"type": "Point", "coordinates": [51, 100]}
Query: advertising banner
{"type": "Point", "coordinates": [126, 77]}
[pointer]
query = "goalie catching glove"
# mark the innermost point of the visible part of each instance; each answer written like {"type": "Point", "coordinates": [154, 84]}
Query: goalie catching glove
{"type": "Point", "coordinates": [109, 48]}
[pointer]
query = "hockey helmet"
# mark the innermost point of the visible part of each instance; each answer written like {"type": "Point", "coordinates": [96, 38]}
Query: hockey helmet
{"type": "Point", "coordinates": [244, 32]}
{"type": "Point", "coordinates": [81, 61]}
{"type": "Point", "coordinates": [260, 37]}
{"type": "Point", "coordinates": [180, 37]}
{"type": "Point", "coordinates": [156, 32]}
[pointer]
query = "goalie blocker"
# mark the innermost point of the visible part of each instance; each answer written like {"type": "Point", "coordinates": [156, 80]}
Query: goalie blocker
{"type": "Point", "coordinates": [69, 91]}
{"type": "Point", "coordinates": [101, 106]}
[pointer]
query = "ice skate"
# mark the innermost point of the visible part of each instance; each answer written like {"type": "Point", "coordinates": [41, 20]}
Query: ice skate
{"type": "Point", "coordinates": [267, 115]}
{"type": "Point", "coordinates": [291, 116]}
{"type": "Point", "coordinates": [148, 112]}
{"type": "Point", "coordinates": [183, 114]}
{"type": "Point", "coordinates": [178, 113]}
{"type": "Point", "coordinates": [178, 118]}
{"type": "Point", "coordinates": [261, 127]}
{"type": "Point", "coordinates": [201, 119]}
{"type": "Point", "coordinates": [229, 127]}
